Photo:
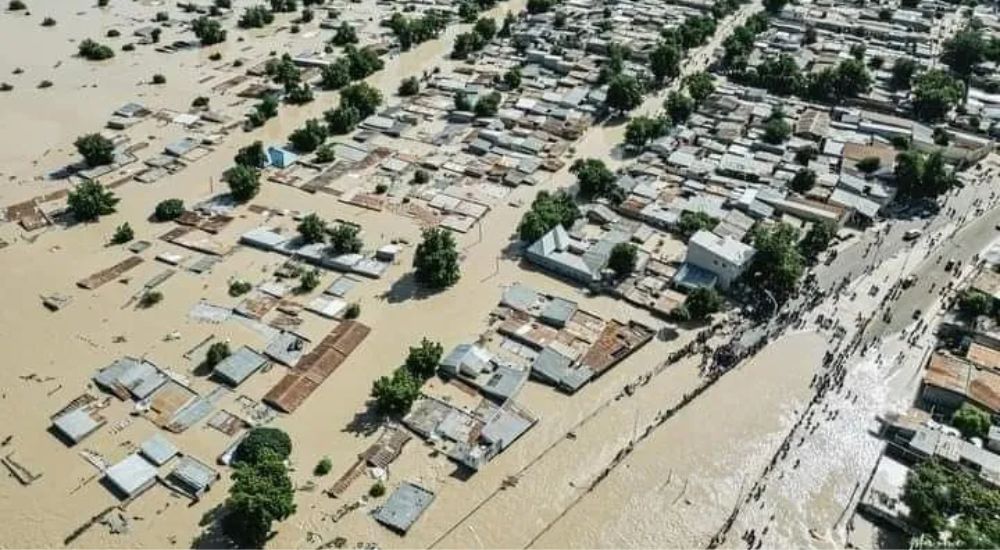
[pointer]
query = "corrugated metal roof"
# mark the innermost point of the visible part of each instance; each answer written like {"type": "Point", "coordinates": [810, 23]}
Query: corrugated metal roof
{"type": "Point", "coordinates": [236, 368]}
{"type": "Point", "coordinates": [404, 507]}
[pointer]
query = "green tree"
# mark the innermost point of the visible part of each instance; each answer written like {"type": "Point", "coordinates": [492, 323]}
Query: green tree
{"type": "Point", "coordinates": [344, 239]}
{"type": "Point", "coordinates": [868, 165]}
{"type": "Point", "coordinates": [488, 105]}
{"type": "Point", "coordinates": [123, 234]}
{"type": "Point", "coordinates": [325, 154]}
{"type": "Point", "coordinates": [642, 129]}
{"type": "Point", "coordinates": [259, 442]}
{"type": "Point", "coordinates": [312, 229]}
{"type": "Point", "coordinates": [95, 149]}
{"type": "Point", "coordinates": [777, 264]}
{"type": "Point", "coordinates": [362, 97]}
{"type": "Point", "coordinates": [622, 259]}
{"type": "Point", "coordinates": [943, 499]}
{"type": "Point", "coordinates": [547, 211]}
{"type": "Point", "coordinates": [252, 156]}
{"type": "Point", "coordinates": [805, 155]}
{"type": "Point", "coordinates": [700, 86]}
{"type": "Point", "coordinates": [935, 92]}
{"type": "Point", "coordinates": [974, 303]}
{"type": "Point", "coordinates": [307, 138]}
{"type": "Point", "coordinates": [169, 209]}
{"type": "Point", "coordinates": [693, 222]}
{"type": "Point", "coordinates": [342, 120]}
{"type": "Point", "coordinates": [593, 178]}
{"type": "Point", "coordinates": [409, 86]}
{"type": "Point", "coordinates": [89, 201]}
{"type": "Point", "coordinates": [216, 353]}
{"type": "Point", "coordinates": [336, 75]}
{"type": "Point", "coordinates": [436, 259]}
{"type": "Point", "coordinates": [344, 35]}
{"type": "Point", "coordinates": [803, 181]}
{"type": "Point", "coordinates": [422, 360]}
{"type": "Point", "coordinates": [244, 182]}
{"type": "Point", "coordinates": [308, 281]}
{"type": "Point", "coordinates": [512, 78]}
{"type": "Point", "coordinates": [261, 494]}
{"type": "Point", "coordinates": [486, 28]}
{"type": "Point", "coordinates": [540, 6]}
{"type": "Point", "coordinates": [93, 51]}
{"type": "Point", "coordinates": [702, 302]}
{"type": "Point", "coordinates": [817, 239]}
{"type": "Point", "coordinates": [395, 395]}
{"type": "Point", "coordinates": [665, 61]}
{"type": "Point", "coordinates": [971, 421]}
{"type": "Point", "coordinates": [903, 70]}
{"type": "Point", "coordinates": [679, 106]}
{"type": "Point", "coordinates": [256, 17]}
{"type": "Point", "coordinates": [964, 50]}
{"type": "Point", "coordinates": [209, 31]}
{"type": "Point", "coordinates": [323, 467]}
{"type": "Point", "coordinates": [624, 93]}
{"type": "Point", "coordinates": [776, 130]}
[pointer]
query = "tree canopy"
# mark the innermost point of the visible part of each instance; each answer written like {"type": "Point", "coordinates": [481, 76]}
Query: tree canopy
{"type": "Point", "coordinates": [169, 209]}
{"type": "Point", "coordinates": [394, 395]}
{"type": "Point", "coordinates": [624, 93]}
{"type": "Point", "coordinates": [972, 421]}
{"type": "Point", "coordinates": [422, 360]}
{"type": "Point", "coordinates": [817, 239]}
{"type": "Point", "coordinates": [964, 50]}
{"type": "Point", "coordinates": [252, 155]}
{"type": "Point", "coordinates": [803, 181]}
{"type": "Point", "coordinates": [436, 259]}
{"type": "Point", "coordinates": [700, 85]}
{"type": "Point", "coordinates": [209, 31]}
{"type": "Point", "coordinates": [622, 259]}
{"type": "Point", "coordinates": [920, 176]}
{"type": "Point", "coordinates": [344, 239]}
{"type": "Point", "coordinates": [903, 70]}
{"type": "Point", "coordinates": [693, 222]}
{"type": "Point", "coordinates": [642, 129]}
{"type": "Point", "coordinates": [702, 302]}
{"type": "Point", "coordinates": [90, 200]}
{"type": "Point", "coordinates": [679, 106]}
{"type": "Point", "coordinates": [778, 264]}
{"type": "Point", "coordinates": [261, 494]}
{"type": "Point", "coordinates": [95, 149]}
{"type": "Point", "coordinates": [547, 211]}
{"type": "Point", "coordinates": [972, 303]}
{"type": "Point", "coordinates": [312, 229]}
{"type": "Point", "coordinates": [665, 61]}
{"type": "Point", "coordinates": [936, 493]}
{"type": "Point", "coordinates": [260, 441]}
{"type": "Point", "coordinates": [244, 182]}
{"type": "Point", "coordinates": [309, 137]}
{"type": "Point", "coordinates": [594, 178]}
{"type": "Point", "coordinates": [935, 93]}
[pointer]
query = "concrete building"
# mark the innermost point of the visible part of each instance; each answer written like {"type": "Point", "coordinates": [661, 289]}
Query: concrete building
{"type": "Point", "coordinates": [726, 257]}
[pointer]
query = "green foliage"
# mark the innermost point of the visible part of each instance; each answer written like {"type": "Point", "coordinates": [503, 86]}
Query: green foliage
{"type": "Point", "coordinates": [624, 93]}
{"type": "Point", "coordinates": [159, 79]}
{"type": "Point", "coordinates": [208, 30]}
{"type": "Point", "coordinates": [410, 31]}
{"type": "Point", "coordinates": [422, 360]}
{"type": "Point", "coordinates": [700, 86]}
{"type": "Point", "coordinates": [806, 154]}
{"type": "Point", "coordinates": [693, 222]}
{"type": "Point", "coordinates": [353, 311]}
{"type": "Point", "coordinates": [803, 181]}
{"type": "Point", "coordinates": [342, 120]}
{"type": "Point", "coordinates": [436, 259]}
{"type": "Point", "coordinates": [244, 182]}
{"type": "Point", "coordinates": [262, 444]}
{"type": "Point", "coordinates": [679, 106]}
{"type": "Point", "coordinates": [774, 6]}
{"type": "Point", "coordinates": [150, 299]}
{"type": "Point", "coordinates": [462, 102]}
{"type": "Point", "coordinates": [312, 229]}
{"type": "Point", "coordinates": [325, 153]}
{"type": "Point", "coordinates": [817, 239]}
{"type": "Point", "coordinates": [547, 211]}
{"type": "Point", "coordinates": [593, 178]}
{"type": "Point", "coordinates": [309, 137]}
{"type": "Point", "coordinates": [344, 239]}
{"type": "Point", "coordinates": [868, 165]}
{"type": "Point", "coordinates": [90, 200]}
{"type": "Point", "coordinates": [256, 17]}
{"type": "Point", "coordinates": [421, 177]}
{"type": "Point", "coordinates": [323, 467]}
{"type": "Point", "coordinates": [48, 22]}
{"type": "Point", "coordinates": [362, 62]}
{"type": "Point", "coordinates": [972, 303]}
{"type": "Point", "coordinates": [283, 70]}
{"type": "Point", "coordinates": [971, 420]}
{"type": "Point", "coordinates": [512, 78]}
{"type": "Point", "coordinates": [486, 28]}
{"type": "Point", "coordinates": [776, 130]}
{"type": "Point", "coordinates": [540, 6]}
{"type": "Point", "coordinates": [216, 353]}
{"type": "Point", "coordinates": [239, 288]}
{"type": "Point", "coordinates": [467, 43]}
{"type": "Point", "coordinates": [903, 70]}
{"type": "Point", "coordinates": [623, 258]}
{"type": "Point", "coordinates": [123, 234]}
{"type": "Point", "coordinates": [169, 209]}
{"type": "Point", "coordinates": [308, 281]}
{"type": "Point", "coordinates": [261, 494]}
{"type": "Point", "coordinates": [336, 75]}
{"type": "Point", "coordinates": [16, 5]}
{"type": "Point", "coordinates": [919, 176]}
{"type": "Point", "coordinates": [395, 395]}
{"type": "Point", "coordinates": [252, 156]}
{"type": "Point", "coordinates": [298, 93]}
{"type": "Point", "coordinates": [738, 45]}
{"type": "Point", "coordinates": [642, 129]}
{"type": "Point", "coordinates": [377, 490]}
{"type": "Point", "coordinates": [665, 61]}
{"type": "Point", "coordinates": [702, 302]}
{"type": "Point", "coordinates": [89, 49]}
{"type": "Point", "coordinates": [344, 35]}
{"type": "Point", "coordinates": [200, 102]}
{"type": "Point", "coordinates": [409, 86]}
{"type": "Point", "coordinates": [778, 264]}
{"type": "Point", "coordinates": [964, 50]}
{"type": "Point", "coordinates": [695, 31]}
{"type": "Point", "coordinates": [935, 92]}
{"type": "Point", "coordinates": [286, 6]}
{"type": "Point", "coordinates": [113, 33]}
{"type": "Point", "coordinates": [936, 493]}
{"type": "Point", "coordinates": [487, 105]}
{"type": "Point", "coordinates": [362, 97]}
{"type": "Point", "coordinates": [95, 149]}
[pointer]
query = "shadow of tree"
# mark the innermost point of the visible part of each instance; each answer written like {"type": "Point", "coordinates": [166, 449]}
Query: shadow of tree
{"type": "Point", "coordinates": [406, 288]}
{"type": "Point", "coordinates": [211, 535]}
{"type": "Point", "coordinates": [365, 422]}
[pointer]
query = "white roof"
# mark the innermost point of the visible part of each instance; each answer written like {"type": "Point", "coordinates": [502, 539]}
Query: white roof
{"type": "Point", "coordinates": [131, 475]}
{"type": "Point", "coordinates": [727, 248]}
